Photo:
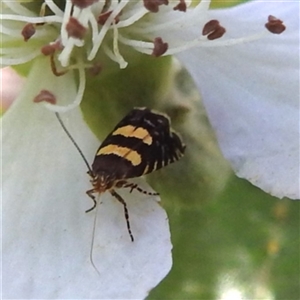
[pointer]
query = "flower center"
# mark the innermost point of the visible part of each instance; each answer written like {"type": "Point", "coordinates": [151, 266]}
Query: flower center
{"type": "Point", "coordinates": [86, 30]}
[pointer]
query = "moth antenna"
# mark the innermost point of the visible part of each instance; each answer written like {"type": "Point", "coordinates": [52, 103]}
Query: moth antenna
{"type": "Point", "coordinates": [74, 143]}
{"type": "Point", "coordinates": [93, 240]}
{"type": "Point", "coordinates": [91, 173]}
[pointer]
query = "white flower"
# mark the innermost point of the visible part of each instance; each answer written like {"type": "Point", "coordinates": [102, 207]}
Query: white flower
{"type": "Point", "coordinates": [248, 79]}
{"type": "Point", "coordinates": [253, 107]}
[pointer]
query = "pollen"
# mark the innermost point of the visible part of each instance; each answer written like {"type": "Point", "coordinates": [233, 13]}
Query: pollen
{"type": "Point", "coordinates": [75, 29]}
{"type": "Point", "coordinates": [45, 96]}
{"type": "Point", "coordinates": [213, 30]}
{"type": "Point", "coordinates": [51, 48]}
{"type": "Point", "coordinates": [275, 25]}
{"type": "Point", "coordinates": [159, 47]}
{"type": "Point", "coordinates": [28, 31]}
{"type": "Point", "coordinates": [181, 6]}
{"type": "Point", "coordinates": [153, 5]}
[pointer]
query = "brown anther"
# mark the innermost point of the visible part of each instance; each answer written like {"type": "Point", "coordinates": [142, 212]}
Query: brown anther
{"type": "Point", "coordinates": [47, 50]}
{"type": "Point", "coordinates": [213, 30]}
{"type": "Point", "coordinates": [75, 29]}
{"type": "Point", "coordinates": [180, 6]}
{"type": "Point", "coordinates": [51, 48]}
{"type": "Point", "coordinates": [54, 69]}
{"type": "Point", "coordinates": [159, 47]}
{"type": "Point", "coordinates": [28, 31]}
{"type": "Point", "coordinates": [104, 16]}
{"type": "Point", "coordinates": [153, 5]}
{"type": "Point", "coordinates": [83, 3]}
{"type": "Point", "coordinates": [275, 25]}
{"type": "Point", "coordinates": [95, 69]}
{"type": "Point", "coordinates": [45, 96]}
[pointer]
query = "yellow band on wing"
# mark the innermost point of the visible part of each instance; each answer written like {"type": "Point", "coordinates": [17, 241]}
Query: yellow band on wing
{"type": "Point", "coordinates": [137, 132]}
{"type": "Point", "coordinates": [124, 152]}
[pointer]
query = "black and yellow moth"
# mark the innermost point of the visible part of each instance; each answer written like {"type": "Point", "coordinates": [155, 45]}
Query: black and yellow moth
{"type": "Point", "coordinates": [142, 142]}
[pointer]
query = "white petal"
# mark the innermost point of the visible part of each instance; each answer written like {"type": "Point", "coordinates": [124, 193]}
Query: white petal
{"type": "Point", "coordinates": [46, 233]}
{"type": "Point", "coordinates": [251, 93]}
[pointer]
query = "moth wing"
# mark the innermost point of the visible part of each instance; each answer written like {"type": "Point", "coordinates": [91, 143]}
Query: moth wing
{"type": "Point", "coordinates": [144, 142]}
{"type": "Point", "coordinates": [159, 147]}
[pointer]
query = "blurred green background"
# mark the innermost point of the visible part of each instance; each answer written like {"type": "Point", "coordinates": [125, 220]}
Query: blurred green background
{"type": "Point", "coordinates": [243, 244]}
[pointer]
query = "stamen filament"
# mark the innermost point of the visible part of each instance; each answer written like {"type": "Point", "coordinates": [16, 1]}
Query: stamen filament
{"type": "Point", "coordinates": [34, 20]}
{"type": "Point", "coordinates": [54, 8]}
{"type": "Point", "coordinates": [98, 40]}
{"type": "Point", "coordinates": [146, 47]}
{"type": "Point", "coordinates": [17, 8]}
{"type": "Point", "coordinates": [135, 43]}
{"type": "Point", "coordinates": [78, 98]}
{"type": "Point", "coordinates": [65, 54]}
{"type": "Point", "coordinates": [131, 20]}
{"type": "Point", "coordinates": [181, 22]}
{"type": "Point", "coordinates": [110, 54]}
{"type": "Point", "coordinates": [11, 61]}
{"type": "Point", "coordinates": [9, 31]}
{"type": "Point", "coordinates": [65, 20]}
{"type": "Point", "coordinates": [94, 25]}
{"type": "Point", "coordinates": [123, 64]}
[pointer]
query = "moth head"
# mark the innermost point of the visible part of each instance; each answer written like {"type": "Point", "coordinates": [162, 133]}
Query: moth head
{"type": "Point", "coordinates": [103, 181]}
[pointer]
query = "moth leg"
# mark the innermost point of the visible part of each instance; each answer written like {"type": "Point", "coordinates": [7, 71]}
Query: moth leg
{"type": "Point", "coordinates": [133, 186]}
{"type": "Point", "coordinates": [90, 193]}
{"type": "Point", "coordinates": [121, 200]}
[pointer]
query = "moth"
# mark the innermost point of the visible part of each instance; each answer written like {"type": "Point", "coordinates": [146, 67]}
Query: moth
{"type": "Point", "coordinates": [142, 142]}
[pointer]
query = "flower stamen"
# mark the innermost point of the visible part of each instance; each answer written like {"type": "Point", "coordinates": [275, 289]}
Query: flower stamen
{"type": "Point", "coordinates": [213, 30]}
{"type": "Point", "coordinates": [75, 29]}
{"type": "Point", "coordinates": [95, 69]}
{"type": "Point", "coordinates": [79, 95]}
{"type": "Point", "coordinates": [181, 6]}
{"type": "Point", "coordinates": [153, 5]}
{"type": "Point", "coordinates": [104, 16]}
{"type": "Point", "coordinates": [141, 12]}
{"type": "Point", "coordinates": [45, 96]}
{"type": "Point", "coordinates": [11, 60]}
{"type": "Point", "coordinates": [34, 20]}
{"type": "Point", "coordinates": [51, 48]}
{"type": "Point", "coordinates": [184, 21]}
{"type": "Point", "coordinates": [53, 67]}
{"type": "Point", "coordinates": [54, 8]}
{"type": "Point", "coordinates": [159, 47]}
{"type": "Point", "coordinates": [67, 14]}
{"type": "Point", "coordinates": [275, 25]}
{"type": "Point", "coordinates": [99, 38]}
{"type": "Point", "coordinates": [28, 31]}
{"type": "Point", "coordinates": [17, 8]}
{"type": "Point", "coordinates": [123, 64]}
